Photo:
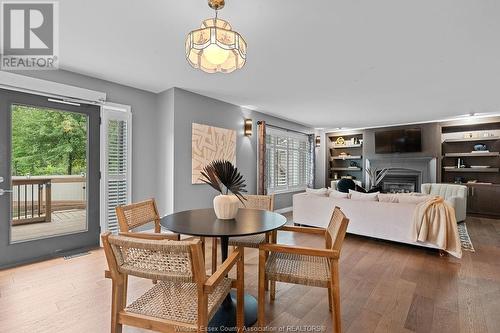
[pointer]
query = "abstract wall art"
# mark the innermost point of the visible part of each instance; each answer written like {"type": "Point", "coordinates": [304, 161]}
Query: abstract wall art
{"type": "Point", "coordinates": [208, 144]}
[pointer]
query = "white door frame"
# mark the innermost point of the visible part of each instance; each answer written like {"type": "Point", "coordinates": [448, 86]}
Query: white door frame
{"type": "Point", "coordinates": [114, 111]}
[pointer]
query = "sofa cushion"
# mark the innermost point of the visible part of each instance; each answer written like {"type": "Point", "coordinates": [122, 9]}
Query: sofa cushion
{"type": "Point", "coordinates": [354, 195]}
{"type": "Point", "coordinates": [320, 191]}
{"type": "Point", "coordinates": [338, 194]}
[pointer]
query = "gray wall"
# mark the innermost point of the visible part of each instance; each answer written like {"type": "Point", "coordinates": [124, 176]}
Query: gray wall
{"type": "Point", "coordinates": [144, 110]}
{"type": "Point", "coordinates": [193, 108]}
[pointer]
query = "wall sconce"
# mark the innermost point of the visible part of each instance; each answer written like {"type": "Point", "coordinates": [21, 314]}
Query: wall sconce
{"type": "Point", "coordinates": [248, 127]}
{"type": "Point", "coordinates": [318, 140]}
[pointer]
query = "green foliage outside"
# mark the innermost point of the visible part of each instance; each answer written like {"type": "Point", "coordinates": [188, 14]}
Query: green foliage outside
{"type": "Point", "coordinates": [48, 142]}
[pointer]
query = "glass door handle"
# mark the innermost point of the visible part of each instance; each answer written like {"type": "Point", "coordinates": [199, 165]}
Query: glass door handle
{"type": "Point", "coordinates": [2, 191]}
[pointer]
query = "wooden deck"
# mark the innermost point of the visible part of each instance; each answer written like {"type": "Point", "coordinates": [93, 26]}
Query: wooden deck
{"type": "Point", "coordinates": [63, 222]}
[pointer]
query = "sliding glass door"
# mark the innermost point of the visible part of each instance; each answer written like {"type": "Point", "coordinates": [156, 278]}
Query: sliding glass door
{"type": "Point", "coordinates": [49, 164]}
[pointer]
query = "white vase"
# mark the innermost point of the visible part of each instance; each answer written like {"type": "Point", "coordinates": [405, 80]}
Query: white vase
{"type": "Point", "coordinates": [226, 206]}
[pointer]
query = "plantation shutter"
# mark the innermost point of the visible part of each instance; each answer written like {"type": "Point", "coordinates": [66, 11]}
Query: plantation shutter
{"type": "Point", "coordinates": [117, 164]}
{"type": "Point", "coordinates": [289, 161]}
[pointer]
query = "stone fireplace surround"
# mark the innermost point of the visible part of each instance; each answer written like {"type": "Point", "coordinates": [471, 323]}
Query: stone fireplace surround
{"type": "Point", "coordinates": [408, 173]}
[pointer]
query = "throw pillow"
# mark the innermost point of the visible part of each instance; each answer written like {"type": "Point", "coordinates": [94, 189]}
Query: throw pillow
{"type": "Point", "coordinates": [354, 195]}
{"type": "Point", "coordinates": [388, 197]}
{"type": "Point", "coordinates": [413, 199]}
{"type": "Point", "coordinates": [338, 194]}
{"type": "Point", "coordinates": [323, 192]}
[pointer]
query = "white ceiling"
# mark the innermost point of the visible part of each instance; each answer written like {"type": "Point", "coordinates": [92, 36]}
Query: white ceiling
{"type": "Point", "coordinates": [328, 63]}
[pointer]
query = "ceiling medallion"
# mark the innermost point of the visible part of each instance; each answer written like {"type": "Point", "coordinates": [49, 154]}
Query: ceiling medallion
{"type": "Point", "coordinates": [215, 47]}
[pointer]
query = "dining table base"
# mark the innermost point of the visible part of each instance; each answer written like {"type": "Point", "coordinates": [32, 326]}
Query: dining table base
{"type": "Point", "coordinates": [225, 317]}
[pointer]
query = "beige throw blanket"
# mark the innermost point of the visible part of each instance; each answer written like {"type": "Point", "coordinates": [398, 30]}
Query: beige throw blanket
{"type": "Point", "coordinates": [435, 223]}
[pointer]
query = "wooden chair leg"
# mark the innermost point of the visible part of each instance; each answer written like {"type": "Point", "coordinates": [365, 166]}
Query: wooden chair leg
{"type": "Point", "coordinates": [125, 289]}
{"type": "Point", "coordinates": [240, 293]}
{"type": "Point", "coordinates": [203, 246]}
{"type": "Point", "coordinates": [214, 254]}
{"type": "Point", "coordinates": [336, 317]}
{"type": "Point", "coordinates": [330, 298]}
{"type": "Point", "coordinates": [261, 319]}
{"type": "Point", "coordinates": [272, 293]}
{"type": "Point", "coordinates": [202, 312]}
{"type": "Point", "coordinates": [267, 281]}
{"type": "Point", "coordinates": [116, 305]}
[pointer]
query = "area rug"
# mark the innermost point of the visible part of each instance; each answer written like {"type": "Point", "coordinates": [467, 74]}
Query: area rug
{"type": "Point", "coordinates": [465, 238]}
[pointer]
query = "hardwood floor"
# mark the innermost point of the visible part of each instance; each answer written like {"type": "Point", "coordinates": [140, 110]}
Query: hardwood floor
{"type": "Point", "coordinates": [385, 287]}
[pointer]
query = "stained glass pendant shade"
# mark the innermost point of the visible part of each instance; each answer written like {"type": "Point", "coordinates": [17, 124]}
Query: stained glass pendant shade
{"type": "Point", "coordinates": [215, 47]}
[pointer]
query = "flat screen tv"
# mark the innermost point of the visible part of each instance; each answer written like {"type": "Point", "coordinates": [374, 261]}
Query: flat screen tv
{"type": "Point", "coordinates": [408, 140]}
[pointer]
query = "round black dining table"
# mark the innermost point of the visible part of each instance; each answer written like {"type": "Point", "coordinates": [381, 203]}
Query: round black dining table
{"type": "Point", "coordinates": [204, 223]}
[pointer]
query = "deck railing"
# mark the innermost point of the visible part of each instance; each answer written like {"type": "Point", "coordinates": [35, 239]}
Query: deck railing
{"type": "Point", "coordinates": [28, 207]}
{"type": "Point", "coordinates": [36, 198]}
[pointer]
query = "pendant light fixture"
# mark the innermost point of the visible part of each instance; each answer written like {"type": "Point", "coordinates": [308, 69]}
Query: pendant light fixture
{"type": "Point", "coordinates": [215, 47]}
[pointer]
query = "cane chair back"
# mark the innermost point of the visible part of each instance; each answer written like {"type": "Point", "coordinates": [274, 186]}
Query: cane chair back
{"type": "Point", "coordinates": [263, 202]}
{"type": "Point", "coordinates": [151, 259]}
{"type": "Point", "coordinates": [138, 214]}
{"type": "Point", "coordinates": [336, 230]}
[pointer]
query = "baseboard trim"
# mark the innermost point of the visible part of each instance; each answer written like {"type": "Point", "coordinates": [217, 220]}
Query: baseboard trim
{"type": "Point", "coordinates": [284, 210]}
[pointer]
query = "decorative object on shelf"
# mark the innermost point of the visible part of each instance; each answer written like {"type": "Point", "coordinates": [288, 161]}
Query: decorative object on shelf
{"type": "Point", "coordinates": [353, 164]}
{"type": "Point", "coordinates": [224, 177]}
{"type": "Point", "coordinates": [248, 127]}
{"type": "Point", "coordinates": [340, 141]}
{"type": "Point", "coordinates": [355, 140]}
{"type": "Point", "coordinates": [318, 140]}
{"type": "Point", "coordinates": [460, 180]}
{"type": "Point", "coordinates": [460, 163]}
{"type": "Point", "coordinates": [215, 47]}
{"type": "Point", "coordinates": [335, 176]}
{"type": "Point", "coordinates": [208, 144]}
{"type": "Point", "coordinates": [487, 134]}
{"type": "Point", "coordinates": [468, 135]}
{"type": "Point", "coordinates": [480, 147]}
{"type": "Point", "coordinates": [343, 154]}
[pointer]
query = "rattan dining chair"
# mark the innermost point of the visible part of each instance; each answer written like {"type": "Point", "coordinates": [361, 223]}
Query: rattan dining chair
{"type": "Point", "coordinates": [138, 214]}
{"type": "Point", "coordinates": [263, 202]}
{"type": "Point", "coordinates": [305, 265]}
{"type": "Point", "coordinates": [184, 299]}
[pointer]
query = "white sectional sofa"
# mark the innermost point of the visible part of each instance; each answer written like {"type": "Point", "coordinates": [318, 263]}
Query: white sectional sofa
{"type": "Point", "coordinates": [383, 220]}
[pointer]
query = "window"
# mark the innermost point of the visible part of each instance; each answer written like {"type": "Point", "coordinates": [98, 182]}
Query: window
{"type": "Point", "coordinates": [116, 135]}
{"type": "Point", "coordinates": [288, 161]}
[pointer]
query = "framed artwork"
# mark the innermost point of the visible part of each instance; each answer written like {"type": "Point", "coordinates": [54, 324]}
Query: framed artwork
{"type": "Point", "coordinates": [210, 143]}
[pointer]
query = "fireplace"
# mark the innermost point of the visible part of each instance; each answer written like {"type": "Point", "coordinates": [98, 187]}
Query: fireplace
{"type": "Point", "coordinates": [405, 174]}
{"type": "Point", "coordinates": [401, 181]}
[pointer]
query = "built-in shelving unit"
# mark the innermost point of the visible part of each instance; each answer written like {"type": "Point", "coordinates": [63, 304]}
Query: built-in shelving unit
{"type": "Point", "coordinates": [476, 154]}
{"type": "Point", "coordinates": [345, 156]}
{"type": "Point", "coordinates": [347, 169]}
{"type": "Point", "coordinates": [478, 170]}
{"type": "Point", "coordinates": [488, 138]}
{"type": "Point", "coordinates": [459, 144]}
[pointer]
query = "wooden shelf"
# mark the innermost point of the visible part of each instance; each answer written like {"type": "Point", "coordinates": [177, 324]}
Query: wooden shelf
{"type": "Point", "coordinates": [348, 157]}
{"type": "Point", "coordinates": [490, 170]}
{"type": "Point", "coordinates": [472, 154]}
{"type": "Point", "coordinates": [347, 146]}
{"type": "Point", "coordinates": [346, 169]}
{"type": "Point", "coordinates": [488, 138]}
